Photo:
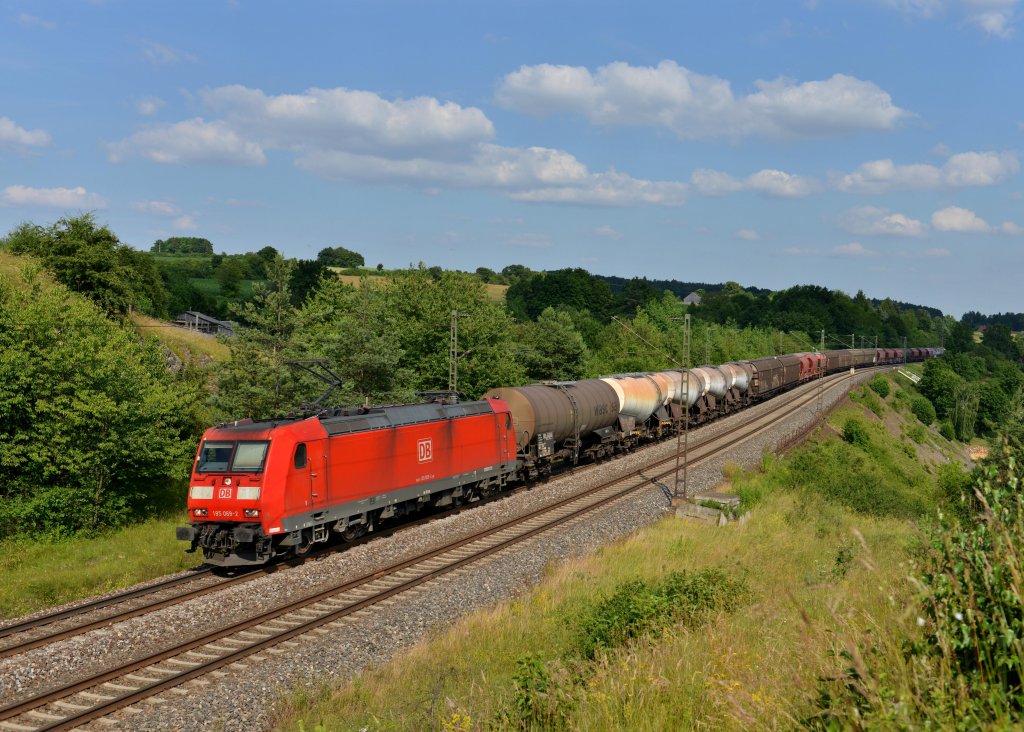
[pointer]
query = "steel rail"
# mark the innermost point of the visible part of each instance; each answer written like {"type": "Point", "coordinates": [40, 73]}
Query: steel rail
{"type": "Point", "coordinates": [97, 604]}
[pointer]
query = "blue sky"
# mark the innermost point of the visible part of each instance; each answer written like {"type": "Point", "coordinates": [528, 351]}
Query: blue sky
{"type": "Point", "coordinates": [867, 145]}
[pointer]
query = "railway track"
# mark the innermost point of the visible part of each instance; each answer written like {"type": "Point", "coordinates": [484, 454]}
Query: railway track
{"type": "Point", "coordinates": [117, 688]}
{"type": "Point", "coordinates": [30, 634]}
{"type": "Point", "coordinates": [53, 635]}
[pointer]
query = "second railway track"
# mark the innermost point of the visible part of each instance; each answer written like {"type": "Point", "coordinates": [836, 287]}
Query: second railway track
{"type": "Point", "coordinates": [99, 695]}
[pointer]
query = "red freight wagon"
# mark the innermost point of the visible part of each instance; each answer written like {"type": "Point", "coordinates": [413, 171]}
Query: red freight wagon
{"type": "Point", "coordinates": [812, 365]}
{"type": "Point", "coordinates": [268, 488]}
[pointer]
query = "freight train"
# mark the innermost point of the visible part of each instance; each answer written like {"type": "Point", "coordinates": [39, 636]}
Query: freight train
{"type": "Point", "coordinates": [260, 490]}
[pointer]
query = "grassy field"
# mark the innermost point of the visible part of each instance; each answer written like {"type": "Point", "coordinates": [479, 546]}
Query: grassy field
{"type": "Point", "coordinates": [812, 569]}
{"type": "Point", "coordinates": [37, 575]}
{"type": "Point", "coordinates": [210, 286]}
{"type": "Point", "coordinates": [495, 293]}
{"type": "Point", "coordinates": [821, 561]}
{"type": "Point", "coordinates": [11, 266]}
{"type": "Point", "coordinates": [188, 345]}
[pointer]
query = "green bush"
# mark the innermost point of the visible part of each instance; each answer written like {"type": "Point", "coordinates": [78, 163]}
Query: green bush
{"type": "Point", "coordinates": [946, 430]}
{"type": "Point", "coordinates": [880, 385]}
{"type": "Point", "coordinates": [923, 409]}
{"type": "Point", "coordinates": [873, 479]}
{"type": "Point", "coordinates": [917, 433]}
{"type": "Point", "coordinates": [955, 486]}
{"type": "Point", "coordinates": [95, 432]}
{"type": "Point", "coordinates": [637, 608]}
{"type": "Point", "coordinates": [855, 434]}
{"type": "Point", "coordinates": [542, 696]}
{"type": "Point", "coordinates": [869, 400]}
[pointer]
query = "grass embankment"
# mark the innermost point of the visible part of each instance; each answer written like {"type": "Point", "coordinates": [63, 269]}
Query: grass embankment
{"type": "Point", "coordinates": [826, 557]}
{"type": "Point", "coordinates": [188, 345]}
{"type": "Point", "coordinates": [37, 575]}
{"type": "Point", "coordinates": [12, 266]}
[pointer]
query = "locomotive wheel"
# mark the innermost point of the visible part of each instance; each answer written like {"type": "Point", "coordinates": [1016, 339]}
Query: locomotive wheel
{"type": "Point", "coordinates": [303, 547]}
{"type": "Point", "coordinates": [353, 532]}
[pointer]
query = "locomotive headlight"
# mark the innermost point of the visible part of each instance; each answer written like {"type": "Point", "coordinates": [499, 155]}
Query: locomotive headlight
{"type": "Point", "coordinates": [248, 493]}
{"type": "Point", "coordinates": [201, 491]}
{"type": "Point", "coordinates": [251, 512]}
{"type": "Point", "coordinates": [199, 511]}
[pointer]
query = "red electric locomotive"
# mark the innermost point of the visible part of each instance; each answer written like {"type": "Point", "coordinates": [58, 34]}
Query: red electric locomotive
{"type": "Point", "coordinates": [262, 489]}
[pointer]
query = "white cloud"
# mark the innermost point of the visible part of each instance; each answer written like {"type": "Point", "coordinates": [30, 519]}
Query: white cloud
{"type": "Point", "coordinates": [609, 189]}
{"type": "Point", "coordinates": [159, 54]}
{"type": "Point", "coordinates": [77, 197]}
{"type": "Point", "coordinates": [348, 135]}
{"type": "Point", "coordinates": [185, 223]}
{"type": "Point", "coordinates": [769, 182]}
{"type": "Point", "coordinates": [539, 175]}
{"type": "Point", "coordinates": [352, 121]}
{"type": "Point", "coordinates": [607, 232]}
{"type": "Point", "coordinates": [491, 166]}
{"type": "Point", "coordinates": [748, 235]}
{"type": "Point", "coordinates": [149, 106]}
{"type": "Point", "coordinates": [1009, 227]}
{"type": "Point", "coordinates": [12, 134]}
{"type": "Point", "coordinates": [853, 249]}
{"type": "Point", "coordinates": [954, 218]}
{"type": "Point", "coordinates": [979, 169]}
{"type": "Point", "coordinates": [961, 170]}
{"type": "Point", "coordinates": [530, 241]}
{"type": "Point", "coordinates": [994, 17]}
{"type": "Point", "coordinates": [694, 105]}
{"type": "Point", "coordinates": [192, 141]}
{"type": "Point", "coordinates": [156, 208]}
{"type": "Point", "coordinates": [923, 8]}
{"type": "Point", "coordinates": [33, 21]}
{"type": "Point", "coordinates": [936, 252]}
{"type": "Point", "coordinates": [871, 221]}
{"type": "Point", "coordinates": [781, 184]}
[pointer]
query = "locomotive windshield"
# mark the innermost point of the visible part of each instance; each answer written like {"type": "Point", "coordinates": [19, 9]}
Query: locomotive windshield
{"type": "Point", "coordinates": [242, 457]}
{"type": "Point", "coordinates": [249, 457]}
{"type": "Point", "coordinates": [214, 457]}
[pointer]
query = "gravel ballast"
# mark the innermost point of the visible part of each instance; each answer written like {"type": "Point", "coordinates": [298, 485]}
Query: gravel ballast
{"type": "Point", "coordinates": [241, 696]}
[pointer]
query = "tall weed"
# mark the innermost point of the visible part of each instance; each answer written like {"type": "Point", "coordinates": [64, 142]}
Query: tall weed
{"type": "Point", "coordinates": [965, 667]}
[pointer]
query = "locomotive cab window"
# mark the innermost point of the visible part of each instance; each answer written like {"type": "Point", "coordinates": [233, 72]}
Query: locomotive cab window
{"type": "Point", "coordinates": [300, 456]}
{"type": "Point", "coordinates": [249, 457]}
{"type": "Point", "coordinates": [214, 457]}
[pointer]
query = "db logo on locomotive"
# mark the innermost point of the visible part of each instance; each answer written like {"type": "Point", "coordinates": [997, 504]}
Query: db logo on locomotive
{"type": "Point", "coordinates": [224, 493]}
{"type": "Point", "coordinates": [425, 450]}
